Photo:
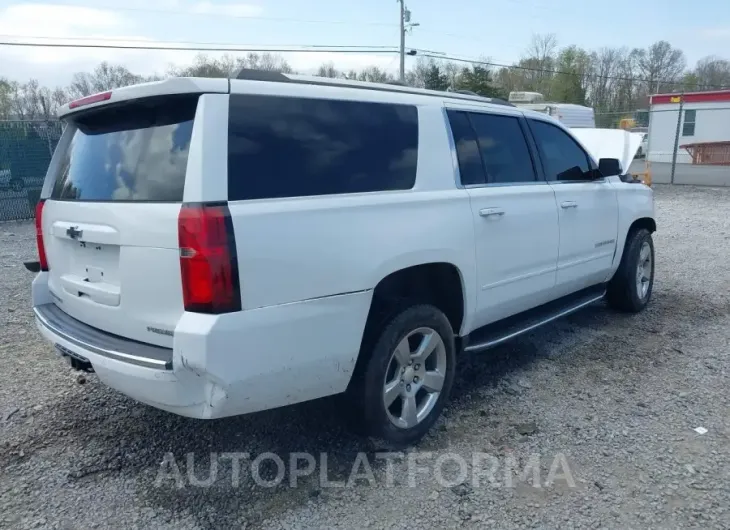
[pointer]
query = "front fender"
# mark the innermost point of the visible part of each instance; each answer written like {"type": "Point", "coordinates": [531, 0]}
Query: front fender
{"type": "Point", "coordinates": [635, 203]}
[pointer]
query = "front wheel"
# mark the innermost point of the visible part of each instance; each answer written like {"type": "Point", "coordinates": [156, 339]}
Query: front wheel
{"type": "Point", "coordinates": [407, 377]}
{"type": "Point", "coordinates": [630, 288]}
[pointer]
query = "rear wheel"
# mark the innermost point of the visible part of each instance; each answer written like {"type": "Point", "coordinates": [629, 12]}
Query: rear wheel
{"type": "Point", "coordinates": [630, 288]}
{"type": "Point", "coordinates": [402, 387]}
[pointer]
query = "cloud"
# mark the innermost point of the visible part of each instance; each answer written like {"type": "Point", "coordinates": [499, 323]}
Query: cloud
{"type": "Point", "coordinates": [89, 25]}
{"type": "Point", "coordinates": [22, 20]}
{"type": "Point", "coordinates": [52, 20]}
{"type": "Point", "coordinates": [78, 25]}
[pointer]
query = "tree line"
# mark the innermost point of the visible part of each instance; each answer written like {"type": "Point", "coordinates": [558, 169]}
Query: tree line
{"type": "Point", "coordinates": [611, 80]}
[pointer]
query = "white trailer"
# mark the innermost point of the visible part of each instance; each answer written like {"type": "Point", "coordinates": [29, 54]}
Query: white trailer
{"type": "Point", "coordinates": [569, 114]}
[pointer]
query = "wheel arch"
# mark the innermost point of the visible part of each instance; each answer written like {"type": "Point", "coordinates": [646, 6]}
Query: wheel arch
{"type": "Point", "coordinates": [440, 283]}
{"type": "Point", "coordinates": [644, 222]}
{"type": "Point", "coordinates": [462, 260]}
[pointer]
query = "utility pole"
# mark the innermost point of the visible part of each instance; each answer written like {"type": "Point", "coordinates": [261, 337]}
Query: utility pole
{"type": "Point", "coordinates": [405, 25]}
{"type": "Point", "coordinates": [402, 41]}
{"type": "Point", "coordinates": [676, 136]}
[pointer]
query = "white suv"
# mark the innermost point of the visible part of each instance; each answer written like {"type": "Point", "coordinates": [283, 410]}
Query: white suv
{"type": "Point", "coordinates": [214, 247]}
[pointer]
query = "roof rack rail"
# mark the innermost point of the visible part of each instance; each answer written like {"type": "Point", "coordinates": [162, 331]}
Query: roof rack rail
{"type": "Point", "coordinates": [500, 101]}
{"type": "Point", "coordinates": [261, 75]}
{"type": "Point", "coordinates": [468, 92]}
{"type": "Point", "coordinates": [496, 101]}
{"type": "Point", "coordinates": [248, 74]}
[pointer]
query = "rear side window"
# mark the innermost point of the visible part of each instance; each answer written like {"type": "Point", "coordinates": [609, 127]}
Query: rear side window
{"type": "Point", "coordinates": [504, 149]}
{"type": "Point", "coordinates": [136, 151]}
{"type": "Point", "coordinates": [467, 150]}
{"type": "Point", "coordinates": [294, 147]}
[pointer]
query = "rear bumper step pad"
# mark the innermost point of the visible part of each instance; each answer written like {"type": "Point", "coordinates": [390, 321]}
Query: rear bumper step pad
{"type": "Point", "coordinates": [100, 342]}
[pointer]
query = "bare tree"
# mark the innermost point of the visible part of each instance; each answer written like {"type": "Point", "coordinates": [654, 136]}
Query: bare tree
{"type": "Point", "coordinates": [60, 97]}
{"type": "Point", "coordinates": [328, 70]}
{"type": "Point", "coordinates": [105, 77]}
{"type": "Point", "coordinates": [418, 75]}
{"type": "Point", "coordinates": [712, 73]}
{"type": "Point", "coordinates": [5, 99]}
{"type": "Point", "coordinates": [273, 62]}
{"type": "Point", "coordinates": [536, 67]}
{"type": "Point", "coordinates": [452, 71]}
{"type": "Point", "coordinates": [660, 63]}
{"type": "Point", "coordinates": [543, 48]}
{"type": "Point", "coordinates": [206, 66]}
{"type": "Point", "coordinates": [605, 65]}
{"type": "Point", "coordinates": [505, 79]}
{"type": "Point", "coordinates": [19, 106]}
{"type": "Point", "coordinates": [228, 65]}
{"type": "Point", "coordinates": [374, 75]}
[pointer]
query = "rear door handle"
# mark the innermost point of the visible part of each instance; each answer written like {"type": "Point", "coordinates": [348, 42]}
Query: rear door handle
{"type": "Point", "coordinates": [568, 204]}
{"type": "Point", "coordinates": [487, 212]}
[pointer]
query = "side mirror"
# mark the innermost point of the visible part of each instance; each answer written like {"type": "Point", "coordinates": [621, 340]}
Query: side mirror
{"type": "Point", "coordinates": [609, 167]}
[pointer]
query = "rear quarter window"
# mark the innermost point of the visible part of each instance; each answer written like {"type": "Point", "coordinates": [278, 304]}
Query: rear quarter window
{"type": "Point", "coordinates": [133, 151]}
{"type": "Point", "coordinates": [295, 147]}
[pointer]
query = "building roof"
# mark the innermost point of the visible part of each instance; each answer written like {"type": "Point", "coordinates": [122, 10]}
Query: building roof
{"type": "Point", "coordinates": [711, 96]}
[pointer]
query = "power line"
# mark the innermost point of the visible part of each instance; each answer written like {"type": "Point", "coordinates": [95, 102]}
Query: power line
{"type": "Point", "coordinates": [562, 72]}
{"type": "Point", "coordinates": [311, 49]}
{"type": "Point", "coordinates": [193, 43]}
{"type": "Point", "coordinates": [212, 46]}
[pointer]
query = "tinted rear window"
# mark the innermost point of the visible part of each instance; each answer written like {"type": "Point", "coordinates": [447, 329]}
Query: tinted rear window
{"type": "Point", "coordinates": [134, 151]}
{"type": "Point", "coordinates": [471, 169]}
{"type": "Point", "coordinates": [293, 147]}
{"type": "Point", "coordinates": [503, 147]}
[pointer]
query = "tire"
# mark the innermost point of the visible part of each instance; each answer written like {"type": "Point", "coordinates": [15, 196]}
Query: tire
{"type": "Point", "coordinates": [386, 366]}
{"type": "Point", "coordinates": [636, 267]}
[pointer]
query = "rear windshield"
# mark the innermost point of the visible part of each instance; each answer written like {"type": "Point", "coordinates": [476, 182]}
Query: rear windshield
{"type": "Point", "coordinates": [135, 151]}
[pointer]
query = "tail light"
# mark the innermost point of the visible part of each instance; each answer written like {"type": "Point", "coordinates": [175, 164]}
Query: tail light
{"type": "Point", "coordinates": [39, 235]}
{"type": "Point", "coordinates": [208, 260]}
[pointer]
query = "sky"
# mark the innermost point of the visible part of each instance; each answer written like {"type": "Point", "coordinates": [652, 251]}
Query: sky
{"type": "Point", "coordinates": [496, 29]}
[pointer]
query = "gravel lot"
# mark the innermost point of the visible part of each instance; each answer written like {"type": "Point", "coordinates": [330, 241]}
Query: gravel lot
{"type": "Point", "coordinates": [618, 396]}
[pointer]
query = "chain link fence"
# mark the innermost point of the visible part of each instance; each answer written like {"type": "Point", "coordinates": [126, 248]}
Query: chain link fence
{"type": "Point", "coordinates": [687, 139]}
{"type": "Point", "coordinates": [26, 148]}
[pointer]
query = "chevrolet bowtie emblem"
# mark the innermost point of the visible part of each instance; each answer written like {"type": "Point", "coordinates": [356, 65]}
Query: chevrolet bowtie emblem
{"type": "Point", "coordinates": [73, 233]}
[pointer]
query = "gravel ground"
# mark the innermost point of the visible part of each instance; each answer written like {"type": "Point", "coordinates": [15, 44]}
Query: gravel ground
{"type": "Point", "coordinates": [609, 401]}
